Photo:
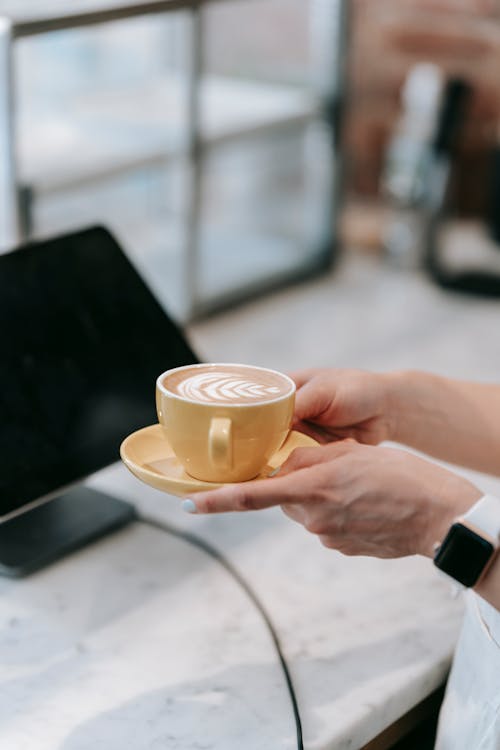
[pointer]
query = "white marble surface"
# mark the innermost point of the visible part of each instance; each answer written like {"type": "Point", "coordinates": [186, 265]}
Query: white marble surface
{"type": "Point", "coordinates": [140, 641]}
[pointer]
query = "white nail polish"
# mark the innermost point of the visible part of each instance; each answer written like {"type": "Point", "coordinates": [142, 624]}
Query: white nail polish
{"type": "Point", "coordinates": [188, 506]}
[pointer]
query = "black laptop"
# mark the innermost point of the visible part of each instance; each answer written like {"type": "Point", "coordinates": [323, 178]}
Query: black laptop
{"type": "Point", "coordinates": [82, 342]}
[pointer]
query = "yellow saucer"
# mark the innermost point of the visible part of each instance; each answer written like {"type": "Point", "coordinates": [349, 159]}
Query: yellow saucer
{"type": "Point", "coordinates": [148, 455]}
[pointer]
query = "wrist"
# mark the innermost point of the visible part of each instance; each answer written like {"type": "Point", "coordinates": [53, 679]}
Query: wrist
{"type": "Point", "coordinates": [398, 390]}
{"type": "Point", "coordinates": [469, 553]}
{"type": "Point", "coordinates": [413, 402]}
{"type": "Point", "coordinates": [488, 586]}
{"type": "Point", "coordinates": [454, 497]}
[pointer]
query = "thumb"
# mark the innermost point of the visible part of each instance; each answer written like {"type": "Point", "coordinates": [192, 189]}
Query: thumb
{"type": "Point", "coordinates": [302, 458]}
{"type": "Point", "coordinates": [301, 377]}
{"type": "Point", "coordinates": [313, 401]}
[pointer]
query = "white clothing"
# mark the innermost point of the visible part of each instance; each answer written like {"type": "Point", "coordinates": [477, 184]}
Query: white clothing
{"type": "Point", "coordinates": [470, 715]}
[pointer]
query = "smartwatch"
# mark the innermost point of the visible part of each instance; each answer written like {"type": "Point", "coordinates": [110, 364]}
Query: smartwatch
{"type": "Point", "coordinates": [471, 544]}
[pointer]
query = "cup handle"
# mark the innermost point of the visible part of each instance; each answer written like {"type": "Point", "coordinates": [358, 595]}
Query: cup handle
{"type": "Point", "coordinates": [220, 443]}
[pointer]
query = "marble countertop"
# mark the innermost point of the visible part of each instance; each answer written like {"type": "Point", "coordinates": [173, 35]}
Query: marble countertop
{"type": "Point", "coordinates": [140, 641]}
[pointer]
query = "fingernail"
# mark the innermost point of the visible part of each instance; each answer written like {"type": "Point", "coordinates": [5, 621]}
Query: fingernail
{"type": "Point", "coordinates": [188, 506]}
{"type": "Point", "coordinates": [274, 472]}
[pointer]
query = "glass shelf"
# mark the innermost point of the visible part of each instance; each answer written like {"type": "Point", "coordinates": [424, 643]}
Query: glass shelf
{"type": "Point", "coordinates": [202, 138]}
{"type": "Point", "coordinates": [108, 134]}
{"type": "Point", "coordinates": [29, 18]}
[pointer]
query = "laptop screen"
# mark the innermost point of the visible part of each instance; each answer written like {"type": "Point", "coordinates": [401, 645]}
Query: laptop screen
{"type": "Point", "coordinates": [82, 343]}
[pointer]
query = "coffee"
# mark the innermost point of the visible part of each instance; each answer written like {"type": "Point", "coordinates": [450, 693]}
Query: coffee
{"type": "Point", "coordinates": [227, 384]}
{"type": "Point", "coordinates": [224, 421]}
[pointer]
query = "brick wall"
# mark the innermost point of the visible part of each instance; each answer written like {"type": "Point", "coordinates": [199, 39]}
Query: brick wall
{"type": "Point", "coordinates": [387, 38]}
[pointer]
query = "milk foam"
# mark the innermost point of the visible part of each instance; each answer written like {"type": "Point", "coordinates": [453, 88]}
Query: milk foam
{"type": "Point", "coordinates": [224, 387]}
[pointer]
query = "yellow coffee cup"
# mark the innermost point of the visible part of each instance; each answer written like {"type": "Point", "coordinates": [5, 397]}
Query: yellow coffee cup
{"type": "Point", "coordinates": [224, 421]}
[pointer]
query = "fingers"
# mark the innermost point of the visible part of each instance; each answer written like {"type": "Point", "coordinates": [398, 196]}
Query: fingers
{"type": "Point", "coordinates": [301, 377]}
{"type": "Point", "coordinates": [295, 512]}
{"type": "Point", "coordinates": [255, 495]}
{"type": "Point", "coordinates": [292, 486]}
{"type": "Point", "coordinates": [312, 400]}
{"type": "Point", "coordinates": [302, 458]}
{"type": "Point", "coordinates": [320, 434]}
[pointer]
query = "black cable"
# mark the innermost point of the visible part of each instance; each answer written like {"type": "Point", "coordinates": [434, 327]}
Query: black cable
{"type": "Point", "coordinates": [219, 557]}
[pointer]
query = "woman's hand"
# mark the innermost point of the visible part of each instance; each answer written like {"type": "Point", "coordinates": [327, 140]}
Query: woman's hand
{"type": "Point", "coordinates": [337, 404]}
{"type": "Point", "coordinates": [361, 500]}
{"type": "Point", "coordinates": [450, 419]}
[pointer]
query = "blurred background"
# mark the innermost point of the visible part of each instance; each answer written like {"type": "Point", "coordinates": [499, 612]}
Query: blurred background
{"type": "Point", "coordinates": [201, 137]}
{"type": "Point", "coordinates": [332, 164]}
{"type": "Point", "coordinates": [388, 43]}
{"type": "Point", "coordinates": [245, 144]}
{"type": "Point", "coordinates": [462, 37]}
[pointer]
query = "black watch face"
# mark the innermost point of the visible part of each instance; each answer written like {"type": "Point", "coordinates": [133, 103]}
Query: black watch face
{"type": "Point", "coordinates": [463, 554]}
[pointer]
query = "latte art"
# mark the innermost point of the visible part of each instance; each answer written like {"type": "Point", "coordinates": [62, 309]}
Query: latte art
{"type": "Point", "coordinates": [227, 384]}
{"type": "Point", "coordinates": [221, 386]}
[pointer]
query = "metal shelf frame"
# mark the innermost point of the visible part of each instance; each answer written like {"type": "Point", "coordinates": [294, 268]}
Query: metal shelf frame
{"type": "Point", "coordinates": [16, 198]}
